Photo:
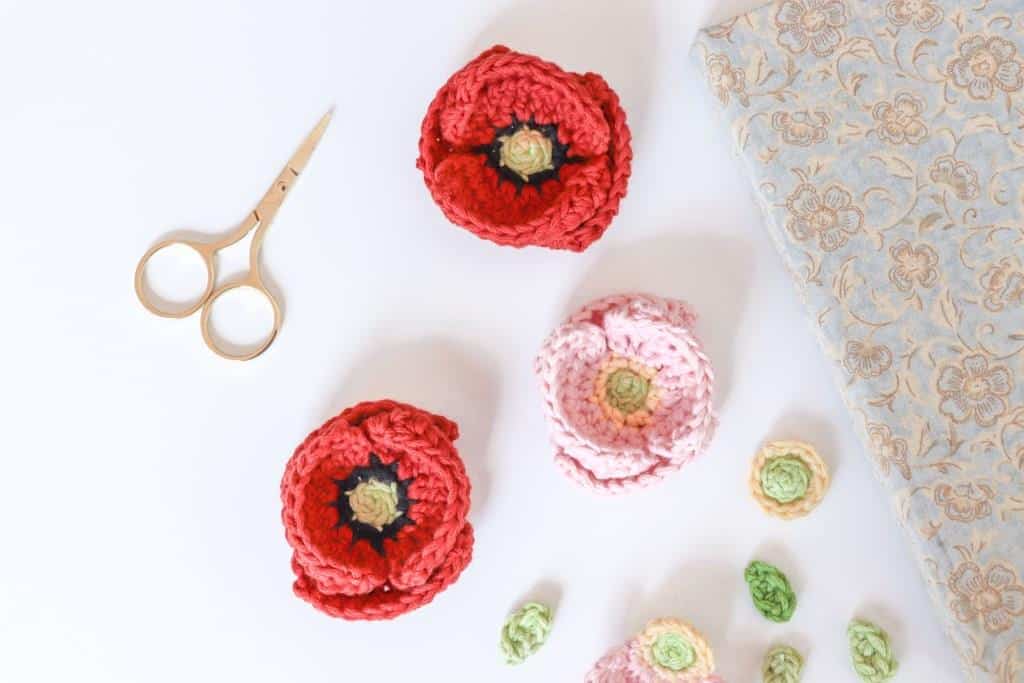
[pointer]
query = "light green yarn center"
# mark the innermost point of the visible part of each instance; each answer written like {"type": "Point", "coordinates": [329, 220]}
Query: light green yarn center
{"type": "Point", "coordinates": [871, 652]}
{"type": "Point", "coordinates": [526, 152]}
{"type": "Point", "coordinates": [525, 631]}
{"type": "Point", "coordinates": [782, 664]}
{"type": "Point", "coordinates": [374, 503]}
{"type": "Point", "coordinates": [627, 390]}
{"type": "Point", "coordinates": [785, 479]}
{"type": "Point", "coordinates": [673, 652]}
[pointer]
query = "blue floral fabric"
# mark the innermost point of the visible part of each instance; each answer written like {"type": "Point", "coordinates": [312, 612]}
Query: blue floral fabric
{"type": "Point", "coordinates": [885, 143]}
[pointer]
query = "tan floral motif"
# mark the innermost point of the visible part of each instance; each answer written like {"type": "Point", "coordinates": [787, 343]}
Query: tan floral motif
{"type": "Point", "coordinates": [993, 595]}
{"type": "Point", "coordinates": [986, 64]}
{"type": "Point", "coordinates": [958, 175]}
{"type": "Point", "coordinates": [727, 79]}
{"type": "Point", "coordinates": [890, 451]}
{"type": "Point", "coordinates": [913, 266]}
{"type": "Point", "coordinates": [924, 13]}
{"type": "Point", "coordinates": [900, 121]}
{"type": "Point", "coordinates": [867, 360]}
{"type": "Point", "coordinates": [831, 217]}
{"type": "Point", "coordinates": [802, 128]}
{"type": "Point", "coordinates": [975, 391]}
{"type": "Point", "coordinates": [1003, 283]}
{"type": "Point", "coordinates": [964, 502]}
{"type": "Point", "coordinates": [817, 24]}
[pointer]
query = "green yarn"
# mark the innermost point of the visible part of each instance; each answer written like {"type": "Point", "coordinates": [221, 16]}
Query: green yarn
{"type": "Point", "coordinates": [673, 652]}
{"type": "Point", "coordinates": [773, 596]}
{"type": "Point", "coordinates": [785, 479]}
{"type": "Point", "coordinates": [871, 652]}
{"type": "Point", "coordinates": [782, 664]}
{"type": "Point", "coordinates": [627, 390]}
{"type": "Point", "coordinates": [525, 631]}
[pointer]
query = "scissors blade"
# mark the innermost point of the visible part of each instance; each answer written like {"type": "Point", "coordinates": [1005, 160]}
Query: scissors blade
{"type": "Point", "coordinates": [301, 157]}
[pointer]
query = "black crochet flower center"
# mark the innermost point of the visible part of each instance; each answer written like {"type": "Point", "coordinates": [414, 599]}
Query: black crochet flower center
{"type": "Point", "coordinates": [496, 153]}
{"type": "Point", "coordinates": [374, 503]}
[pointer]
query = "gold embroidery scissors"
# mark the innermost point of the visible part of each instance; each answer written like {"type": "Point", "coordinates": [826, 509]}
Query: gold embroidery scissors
{"type": "Point", "coordinates": [259, 219]}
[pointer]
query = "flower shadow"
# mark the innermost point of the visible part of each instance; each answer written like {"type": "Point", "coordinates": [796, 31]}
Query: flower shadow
{"type": "Point", "coordinates": [710, 272]}
{"type": "Point", "coordinates": [439, 376]}
{"type": "Point", "coordinates": [797, 425]}
{"type": "Point", "coordinates": [576, 34]}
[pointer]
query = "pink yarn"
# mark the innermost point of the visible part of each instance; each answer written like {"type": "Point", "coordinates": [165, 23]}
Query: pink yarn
{"type": "Point", "coordinates": [594, 450]}
{"type": "Point", "coordinates": [615, 667]}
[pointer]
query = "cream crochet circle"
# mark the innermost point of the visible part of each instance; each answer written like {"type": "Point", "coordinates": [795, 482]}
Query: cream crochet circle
{"type": "Point", "coordinates": [815, 489]}
{"type": "Point", "coordinates": [643, 644]}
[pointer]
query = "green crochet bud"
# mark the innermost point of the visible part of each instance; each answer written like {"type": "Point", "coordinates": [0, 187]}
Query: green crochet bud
{"type": "Point", "coordinates": [871, 652]}
{"type": "Point", "coordinates": [769, 588]}
{"type": "Point", "coordinates": [673, 652]}
{"type": "Point", "coordinates": [785, 479]}
{"type": "Point", "coordinates": [782, 664]}
{"type": "Point", "coordinates": [525, 631]}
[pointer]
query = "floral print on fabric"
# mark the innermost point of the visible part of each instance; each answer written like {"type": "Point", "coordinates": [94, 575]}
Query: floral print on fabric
{"type": "Point", "coordinates": [885, 142]}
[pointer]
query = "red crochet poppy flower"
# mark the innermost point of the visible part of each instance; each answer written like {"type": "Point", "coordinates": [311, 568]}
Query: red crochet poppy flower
{"type": "Point", "coordinates": [375, 505]}
{"type": "Point", "coordinates": [520, 152]}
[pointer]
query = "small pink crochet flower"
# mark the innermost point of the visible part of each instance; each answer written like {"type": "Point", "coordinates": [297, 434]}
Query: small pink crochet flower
{"type": "Point", "coordinates": [615, 667]}
{"type": "Point", "coordinates": [627, 389]}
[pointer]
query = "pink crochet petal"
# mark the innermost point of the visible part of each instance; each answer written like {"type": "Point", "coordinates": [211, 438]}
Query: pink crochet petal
{"type": "Point", "coordinates": [612, 455]}
{"type": "Point", "coordinates": [613, 668]}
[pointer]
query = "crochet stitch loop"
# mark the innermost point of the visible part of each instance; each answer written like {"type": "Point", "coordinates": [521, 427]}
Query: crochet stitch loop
{"type": "Point", "coordinates": [627, 390]}
{"type": "Point", "coordinates": [871, 652]}
{"type": "Point", "coordinates": [568, 207]}
{"type": "Point", "coordinates": [788, 479]}
{"type": "Point", "coordinates": [392, 552]}
{"type": "Point", "coordinates": [782, 664]}
{"type": "Point", "coordinates": [525, 631]}
{"type": "Point", "coordinates": [770, 590]}
{"type": "Point", "coordinates": [657, 655]}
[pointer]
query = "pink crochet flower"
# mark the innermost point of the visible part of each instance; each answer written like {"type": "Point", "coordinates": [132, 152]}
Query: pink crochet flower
{"type": "Point", "coordinates": [627, 389]}
{"type": "Point", "coordinates": [614, 667]}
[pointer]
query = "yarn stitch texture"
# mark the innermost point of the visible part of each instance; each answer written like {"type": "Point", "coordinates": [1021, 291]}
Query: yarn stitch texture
{"type": "Point", "coordinates": [770, 590]}
{"type": "Point", "coordinates": [375, 505]}
{"type": "Point", "coordinates": [871, 652]}
{"type": "Point", "coordinates": [788, 479]}
{"type": "Point", "coordinates": [782, 664]}
{"type": "Point", "coordinates": [486, 165]}
{"type": "Point", "coordinates": [666, 651]}
{"type": "Point", "coordinates": [525, 631]}
{"type": "Point", "coordinates": [628, 392]}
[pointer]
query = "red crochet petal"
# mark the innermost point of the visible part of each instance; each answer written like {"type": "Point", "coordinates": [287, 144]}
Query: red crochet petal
{"type": "Point", "coordinates": [351, 578]}
{"type": "Point", "coordinates": [488, 94]}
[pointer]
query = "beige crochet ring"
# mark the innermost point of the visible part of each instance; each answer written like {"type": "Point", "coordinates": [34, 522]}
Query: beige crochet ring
{"type": "Point", "coordinates": [788, 479]}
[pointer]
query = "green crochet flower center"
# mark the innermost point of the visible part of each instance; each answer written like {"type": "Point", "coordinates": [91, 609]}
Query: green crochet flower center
{"type": "Point", "coordinates": [785, 479]}
{"type": "Point", "coordinates": [770, 590]}
{"type": "Point", "coordinates": [525, 631]}
{"type": "Point", "coordinates": [871, 652]}
{"type": "Point", "coordinates": [374, 503]}
{"type": "Point", "coordinates": [526, 152]}
{"type": "Point", "coordinates": [627, 390]}
{"type": "Point", "coordinates": [673, 652]}
{"type": "Point", "coordinates": [782, 664]}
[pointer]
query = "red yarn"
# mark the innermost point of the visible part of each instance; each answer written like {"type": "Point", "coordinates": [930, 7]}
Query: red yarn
{"type": "Point", "coordinates": [489, 94]}
{"type": "Point", "coordinates": [347, 577]}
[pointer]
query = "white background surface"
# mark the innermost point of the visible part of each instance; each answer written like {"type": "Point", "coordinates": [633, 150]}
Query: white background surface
{"type": "Point", "coordinates": [139, 485]}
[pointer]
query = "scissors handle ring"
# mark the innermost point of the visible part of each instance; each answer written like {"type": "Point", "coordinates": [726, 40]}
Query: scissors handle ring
{"type": "Point", "coordinates": [250, 281]}
{"type": "Point", "coordinates": [146, 298]}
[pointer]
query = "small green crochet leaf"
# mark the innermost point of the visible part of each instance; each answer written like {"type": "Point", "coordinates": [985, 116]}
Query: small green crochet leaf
{"type": "Point", "coordinates": [770, 590]}
{"type": "Point", "coordinates": [782, 664]}
{"type": "Point", "coordinates": [525, 631]}
{"type": "Point", "coordinates": [871, 652]}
